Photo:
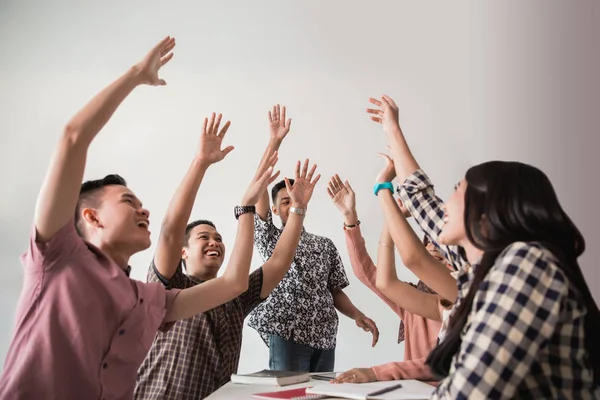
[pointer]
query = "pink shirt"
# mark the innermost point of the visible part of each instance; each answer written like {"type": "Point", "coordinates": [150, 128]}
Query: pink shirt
{"type": "Point", "coordinates": [82, 326]}
{"type": "Point", "coordinates": [420, 334]}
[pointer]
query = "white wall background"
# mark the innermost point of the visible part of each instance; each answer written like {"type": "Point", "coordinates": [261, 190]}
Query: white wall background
{"type": "Point", "coordinates": [473, 82]}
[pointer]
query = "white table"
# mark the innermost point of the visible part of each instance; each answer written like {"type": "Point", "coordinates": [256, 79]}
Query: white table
{"type": "Point", "coordinates": [235, 391]}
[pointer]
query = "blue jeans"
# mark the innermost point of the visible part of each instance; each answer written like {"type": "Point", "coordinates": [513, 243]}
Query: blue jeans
{"type": "Point", "coordinates": [285, 355]}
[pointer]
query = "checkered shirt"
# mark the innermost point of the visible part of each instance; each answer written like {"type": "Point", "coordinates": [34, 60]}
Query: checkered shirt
{"type": "Point", "coordinates": [524, 337]}
{"type": "Point", "coordinates": [198, 355]}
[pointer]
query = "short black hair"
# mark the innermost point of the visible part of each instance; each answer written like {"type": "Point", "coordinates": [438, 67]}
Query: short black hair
{"type": "Point", "coordinates": [89, 194]}
{"type": "Point", "coordinates": [278, 187]}
{"type": "Point", "coordinates": [194, 224]}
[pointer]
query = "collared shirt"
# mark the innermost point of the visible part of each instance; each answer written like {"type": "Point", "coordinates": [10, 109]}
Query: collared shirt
{"type": "Point", "coordinates": [199, 354]}
{"type": "Point", "coordinates": [524, 337]}
{"type": "Point", "coordinates": [301, 307]}
{"type": "Point", "coordinates": [82, 326]}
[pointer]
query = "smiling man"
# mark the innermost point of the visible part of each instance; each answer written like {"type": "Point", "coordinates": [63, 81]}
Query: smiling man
{"type": "Point", "coordinates": [199, 354]}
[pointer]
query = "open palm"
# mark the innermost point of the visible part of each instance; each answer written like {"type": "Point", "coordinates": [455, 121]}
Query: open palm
{"type": "Point", "coordinates": [153, 61]}
{"type": "Point", "coordinates": [209, 147]}
{"type": "Point", "coordinates": [342, 195]}
{"type": "Point", "coordinates": [304, 184]}
{"type": "Point", "coordinates": [278, 125]}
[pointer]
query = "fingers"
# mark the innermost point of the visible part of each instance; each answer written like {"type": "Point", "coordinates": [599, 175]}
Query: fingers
{"type": "Point", "coordinates": [304, 169]}
{"type": "Point", "coordinates": [278, 113]}
{"type": "Point", "coordinates": [338, 182]}
{"type": "Point", "coordinates": [390, 100]}
{"type": "Point", "coordinates": [227, 150]}
{"type": "Point", "coordinates": [288, 124]}
{"type": "Point", "coordinates": [224, 129]}
{"type": "Point", "coordinates": [375, 101]}
{"type": "Point", "coordinates": [331, 188]}
{"type": "Point", "coordinates": [298, 169]}
{"type": "Point", "coordinates": [378, 120]}
{"type": "Point", "coordinates": [314, 183]}
{"type": "Point", "coordinates": [216, 124]}
{"type": "Point", "coordinates": [385, 156]}
{"type": "Point", "coordinates": [265, 176]}
{"type": "Point", "coordinates": [374, 111]}
{"type": "Point", "coordinates": [344, 377]}
{"type": "Point", "coordinates": [167, 45]}
{"type": "Point", "coordinates": [288, 186]}
{"type": "Point", "coordinates": [333, 184]}
{"type": "Point", "coordinates": [211, 122]}
{"type": "Point", "coordinates": [270, 116]}
{"type": "Point", "coordinates": [166, 59]}
{"type": "Point", "coordinates": [272, 178]}
{"type": "Point", "coordinates": [274, 115]}
{"type": "Point", "coordinates": [311, 172]}
{"type": "Point", "coordinates": [349, 187]}
{"type": "Point", "coordinates": [282, 114]}
{"type": "Point", "coordinates": [329, 192]}
{"type": "Point", "coordinates": [204, 126]}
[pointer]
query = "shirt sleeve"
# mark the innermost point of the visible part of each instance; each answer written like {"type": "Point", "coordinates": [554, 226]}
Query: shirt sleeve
{"type": "Point", "coordinates": [515, 312]}
{"type": "Point", "coordinates": [337, 274]}
{"type": "Point", "coordinates": [178, 281]}
{"type": "Point", "coordinates": [61, 247]}
{"type": "Point", "coordinates": [251, 297]}
{"type": "Point", "coordinates": [266, 235]}
{"type": "Point", "coordinates": [418, 195]}
{"type": "Point", "coordinates": [410, 369]}
{"type": "Point", "coordinates": [363, 266]}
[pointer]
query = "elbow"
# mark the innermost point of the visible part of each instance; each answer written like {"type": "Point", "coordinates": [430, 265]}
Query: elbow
{"type": "Point", "coordinates": [382, 284]}
{"type": "Point", "coordinates": [72, 134]}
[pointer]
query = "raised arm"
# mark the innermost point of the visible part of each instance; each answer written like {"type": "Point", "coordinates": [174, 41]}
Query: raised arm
{"type": "Point", "coordinates": [387, 115]}
{"type": "Point", "coordinates": [172, 233]}
{"type": "Point", "coordinates": [414, 255]}
{"type": "Point", "coordinates": [234, 281]}
{"type": "Point", "coordinates": [415, 188]}
{"type": "Point", "coordinates": [275, 268]}
{"type": "Point", "coordinates": [343, 197]}
{"type": "Point", "coordinates": [401, 293]}
{"type": "Point", "coordinates": [279, 127]}
{"type": "Point", "coordinates": [58, 196]}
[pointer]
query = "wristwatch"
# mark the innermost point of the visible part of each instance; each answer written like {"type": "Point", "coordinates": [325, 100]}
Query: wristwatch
{"type": "Point", "coordinates": [383, 185]}
{"type": "Point", "coordinates": [299, 211]}
{"type": "Point", "coordinates": [239, 210]}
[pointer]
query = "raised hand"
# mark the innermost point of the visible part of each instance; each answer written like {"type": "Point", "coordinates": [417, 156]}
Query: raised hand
{"type": "Point", "coordinates": [263, 178]}
{"type": "Point", "coordinates": [356, 375]}
{"type": "Point", "coordinates": [147, 69]}
{"type": "Point", "coordinates": [342, 195]}
{"type": "Point", "coordinates": [386, 114]}
{"type": "Point", "coordinates": [209, 147]}
{"type": "Point", "coordinates": [304, 185]}
{"type": "Point", "coordinates": [388, 173]}
{"type": "Point", "coordinates": [278, 125]}
{"type": "Point", "coordinates": [368, 325]}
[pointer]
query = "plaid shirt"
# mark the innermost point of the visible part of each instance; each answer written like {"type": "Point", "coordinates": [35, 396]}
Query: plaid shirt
{"type": "Point", "coordinates": [198, 355]}
{"type": "Point", "coordinates": [524, 337]}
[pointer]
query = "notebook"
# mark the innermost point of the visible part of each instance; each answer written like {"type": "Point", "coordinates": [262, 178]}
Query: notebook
{"type": "Point", "coordinates": [293, 394]}
{"type": "Point", "coordinates": [267, 377]}
{"type": "Point", "coordinates": [410, 390]}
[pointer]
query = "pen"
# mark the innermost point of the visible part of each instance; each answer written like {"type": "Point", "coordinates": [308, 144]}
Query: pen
{"type": "Point", "coordinates": [385, 390]}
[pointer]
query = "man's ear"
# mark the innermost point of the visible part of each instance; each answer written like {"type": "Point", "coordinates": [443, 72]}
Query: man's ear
{"type": "Point", "coordinates": [90, 216]}
{"type": "Point", "coordinates": [274, 210]}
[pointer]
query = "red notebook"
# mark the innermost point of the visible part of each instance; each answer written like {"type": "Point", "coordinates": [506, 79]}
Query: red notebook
{"type": "Point", "coordinates": [288, 395]}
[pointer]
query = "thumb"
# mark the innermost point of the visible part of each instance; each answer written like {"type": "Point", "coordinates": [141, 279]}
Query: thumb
{"type": "Point", "coordinates": [227, 150]}
{"type": "Point", "coordinates": [349, 187]}
{"type": "Point", "coordinates": [162, 82]}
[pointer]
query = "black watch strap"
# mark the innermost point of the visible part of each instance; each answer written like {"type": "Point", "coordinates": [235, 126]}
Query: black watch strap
{"type": "Point", "coordinates": [239, 210]}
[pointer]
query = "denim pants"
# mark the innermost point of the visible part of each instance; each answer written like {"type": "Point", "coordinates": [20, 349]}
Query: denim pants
{"type": "Point", "coordinates": [286, 355]}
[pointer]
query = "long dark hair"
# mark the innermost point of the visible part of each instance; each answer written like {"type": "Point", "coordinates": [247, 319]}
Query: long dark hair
{"type": "Point", "coordinates": [508, 202]}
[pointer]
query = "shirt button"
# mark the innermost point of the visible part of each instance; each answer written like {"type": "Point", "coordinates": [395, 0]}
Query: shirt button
{"type": "Point", "coordinates": [141, 301]}
{"type": "Point", "coordinates": [105, 365]}
{"type": "Point", "coordinates": [122, 331]}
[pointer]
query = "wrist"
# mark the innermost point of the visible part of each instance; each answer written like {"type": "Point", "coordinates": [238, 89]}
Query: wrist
{"type": "Point", "coordinates": [247, 202]}
{"type": "Point", "coordinates": [351, 218]}
{"type": "Point", "coordinates": [201, 163]}
{"type": "Point", "coordinates": [275, 143]}
{"type": "Point", "coordinates": [134, 74]}
{"type": "Point", "coordinates": [299, 205]}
